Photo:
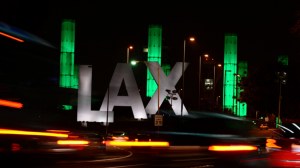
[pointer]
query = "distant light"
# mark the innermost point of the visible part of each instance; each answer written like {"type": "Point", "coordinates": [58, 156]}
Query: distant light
{"type": "Point", "coordinates": [10, 104]}
{"type": "Point", "coordinates": [67, 107]}
{"type": "Point", "coordinates": [11, 37]}
{"type": "Point", "coordinates": [134, 62]}
{"type": "Point", "coordinates": [15, 147]}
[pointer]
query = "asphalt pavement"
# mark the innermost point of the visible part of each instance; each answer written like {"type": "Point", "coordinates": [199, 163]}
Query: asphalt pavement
{"type": "Point", "coordinates": [264, 132]}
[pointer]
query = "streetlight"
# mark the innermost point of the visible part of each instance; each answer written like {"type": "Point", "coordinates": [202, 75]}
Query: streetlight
{"type": "Point", "coordinates": [183, 61]}
{"type": "Point", "coordinates": [217, 102]}
{"type": "Point", "coordinates": [107, 108]}
{"type": "Point", "coordinates": [236, 92]}
{"type": "Point", "coordinates": [214, 92]}
{"type": "Point", "coordinates": [200, 64]}
{"type": "Point", "coordinates": [134, 62]}
{"type": "Point", "coordinates": [279, 103]}
{"type": "Point", "coordinates": [128, 48]}
{"type": "Point", "coordinates": [282, 81]}
{"type": "Point", "coordinates": [211, 61]}
{"type": "Point", "coordinates": [158, 118]}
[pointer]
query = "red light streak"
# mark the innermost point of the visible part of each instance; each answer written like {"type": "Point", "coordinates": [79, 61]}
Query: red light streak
{"type": "Point", "coordinates": [10, 103]}
{"type": "Point", "coordinates": [11, 37]}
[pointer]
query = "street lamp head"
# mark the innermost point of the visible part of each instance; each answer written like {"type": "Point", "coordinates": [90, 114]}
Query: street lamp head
{"type": "Point", "coordinates": [237, 75]}
{"type": "Point", "coordinates": [133, 62]}
{"type": "Point", "coordinates": [192, 39]}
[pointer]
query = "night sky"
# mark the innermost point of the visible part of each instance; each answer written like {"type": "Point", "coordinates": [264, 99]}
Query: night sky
{"type": "Point", "coordinates": [265, 30]}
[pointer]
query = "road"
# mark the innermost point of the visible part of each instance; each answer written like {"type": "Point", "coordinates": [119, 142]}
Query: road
{"type": "Point", "coordinates": [116, 157]}
{"type": "Point", "coordinates": [186, 157]}
{"type": "Point", "coordinates": [146, 158]}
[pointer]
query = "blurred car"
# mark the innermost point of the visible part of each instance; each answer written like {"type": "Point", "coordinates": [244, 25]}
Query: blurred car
{"type": "Point", "coordinates": [284, 146]}
{"type": "Point", "coordinates": [32, 143]}
{"type": "Point", "coordinates": [221, 140]}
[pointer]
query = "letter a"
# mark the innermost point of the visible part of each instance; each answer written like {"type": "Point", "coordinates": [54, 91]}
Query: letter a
{"type": "Point", "coordinates": [124, 72]}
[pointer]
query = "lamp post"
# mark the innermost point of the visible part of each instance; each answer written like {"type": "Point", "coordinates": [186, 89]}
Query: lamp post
{"type": "Point", "coordinates": [183, 61]}
{"type": "Point", "coordinates": [236, 92]}
{"type": "Point", "coordinates": [158, 118]}
{"type": "Point", "coordinates": [134, 62]}
{"type": "Point", "coordinates": [214, 89]}
{"type": "Point", "coordinates": [214, 94]}
{"type": "Point", "coordinates": [279, 103]}
{"type": "Point", "coordinates": [282, 81]}
{"type": "Point", "coordinates": [158, 87]}
{"type": "Point", "coordinates": [200, 68]}
{"type": "Point", "coordinates": [107, 108]}
{"type": "Point", "coordinates": [128, 49]}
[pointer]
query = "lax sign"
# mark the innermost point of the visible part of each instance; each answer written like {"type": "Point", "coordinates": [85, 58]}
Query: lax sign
{"type": "Point", "coordinates": [123, 72]}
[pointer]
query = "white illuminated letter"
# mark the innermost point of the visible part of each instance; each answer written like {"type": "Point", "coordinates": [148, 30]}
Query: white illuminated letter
{"type": "Point", "coordinates": [165, 83]}
{"type": "Point", "coordinates": [84, 112]}
{"type": "Point", "coordinates": [124, 72]}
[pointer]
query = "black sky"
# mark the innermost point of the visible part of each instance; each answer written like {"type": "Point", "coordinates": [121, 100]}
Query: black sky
{"type": "Point", "coordinates": [262, 27]}
{"type": "Point", "coordinates": [105, 29]}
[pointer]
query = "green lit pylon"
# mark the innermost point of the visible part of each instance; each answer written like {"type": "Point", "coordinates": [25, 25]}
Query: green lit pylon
{"type": "Point", "coordinates": [68, 70]}
{"type": "Point", "coordinates": [154, 55]}
{"type": "Point", "coordinates": [229, 73]}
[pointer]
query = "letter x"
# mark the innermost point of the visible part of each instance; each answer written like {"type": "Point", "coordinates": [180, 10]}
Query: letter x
{"type": "Point", "coordinates": [164, 83]}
